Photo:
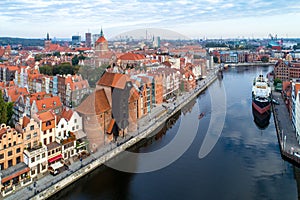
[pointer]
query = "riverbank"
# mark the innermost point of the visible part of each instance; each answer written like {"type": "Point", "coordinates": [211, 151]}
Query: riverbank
{"type": "Point", "coordinates": [249, 64]}
{"type": "Point", "coordinates": [49, 185]}
{"type": "Point", "coordinates": [286, 134]}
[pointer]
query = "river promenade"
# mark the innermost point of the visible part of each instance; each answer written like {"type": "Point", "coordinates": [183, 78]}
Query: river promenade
{"type": "Point", "coordinates": [49, 185]}
{"type": "Point", "coordinates": [286, 133]}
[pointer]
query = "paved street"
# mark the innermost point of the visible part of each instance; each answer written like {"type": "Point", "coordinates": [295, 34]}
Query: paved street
{"type": "Point", "coordinates": [287, 130]}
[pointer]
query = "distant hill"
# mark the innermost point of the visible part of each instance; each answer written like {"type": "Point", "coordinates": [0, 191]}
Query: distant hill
{"type": "Point", "coordinates": [21, 41]}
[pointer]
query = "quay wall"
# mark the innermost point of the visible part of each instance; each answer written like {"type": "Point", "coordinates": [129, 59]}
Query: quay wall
{"type": "Point", "coordinates": [285, 154]}
{"type": "Point", "coordinates": [249, 64]}
{"type": "Point", "coordinates": [118, 150]}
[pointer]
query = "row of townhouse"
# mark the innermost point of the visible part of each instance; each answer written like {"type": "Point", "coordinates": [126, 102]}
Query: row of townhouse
{"type": "Point", "coordinates": [238, 56]}
{"type": "Point", "coordinates": [38, 144]}
{"type": "Point", "coordinates": [119, 100]}
{"type": "Point", "coordinates": [70, 88]}
{"type": "Point", "coordinates": [285, 70]}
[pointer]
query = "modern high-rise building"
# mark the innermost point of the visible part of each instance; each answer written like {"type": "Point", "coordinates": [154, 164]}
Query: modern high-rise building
{"type": "Point", "coordinates": [88, 39]}
{"type": "Point", "coordinates": [76, 39]}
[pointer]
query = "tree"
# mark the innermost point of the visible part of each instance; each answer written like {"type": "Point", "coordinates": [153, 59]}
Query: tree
{"type": "Point", "coordinates": [38, 57]}
{"type": "Point", "coordinates": [3, 110]}
{"type": "Point", "coordinates": [46, 69]}
{"type": "Point", "coordinates": [265, 59]}
{"type": "Point", "coordinates": [276, 81]}
{"type": "Point", "coordinates": [75, 60]}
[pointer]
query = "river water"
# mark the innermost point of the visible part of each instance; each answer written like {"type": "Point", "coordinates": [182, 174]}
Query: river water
{"type": "Point", "coordinates": [245, 162]}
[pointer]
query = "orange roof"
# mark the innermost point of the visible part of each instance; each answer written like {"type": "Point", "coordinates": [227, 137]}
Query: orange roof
{"type": "Point", "coordinates": [95, 103]}
{"type": "Point", "coordinates": [297, 88]}
{"type": "Point", "coordinates": [26, 121]}
{"type": "Point", "coordinates": [48, 103]}
{"type": "Point", "coordinates": [67, 114]}
{"type": "Point", "coordinates": [110, 126]}
{"type": "Point", "coordinates": [101, 39]}
{"type": "Point", "coordinates": [46, 116]}
{"type": "Point", "coordinates": [114, 80]}
{"type": "Point", "coordinates": [14, 92]}
{"type": "Point", "coordinates": [132, 56]}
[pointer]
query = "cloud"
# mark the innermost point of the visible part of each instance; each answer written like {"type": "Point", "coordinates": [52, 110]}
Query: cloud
{"type": "Point", "coordinates": [55, 14]}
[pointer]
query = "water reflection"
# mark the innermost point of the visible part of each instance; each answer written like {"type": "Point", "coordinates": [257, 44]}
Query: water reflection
{"type": "Point", "coordinates": [261, 120]}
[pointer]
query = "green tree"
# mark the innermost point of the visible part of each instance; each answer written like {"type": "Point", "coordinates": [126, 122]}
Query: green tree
{"type": "Point", "coordinates": [75, 60]}
{"type": "Point", "coordinates": [46, 69]}
{"type": "Point", "coordinates": [57, 54]}
{"type": "Point", "coordinates": [276, 81]}
{"type": "Point", "coordinates": [265, 59]}
{"type": "Point", "coordinates": [38, 57]}
{"type": "Point", "coordinates": [3, 110]}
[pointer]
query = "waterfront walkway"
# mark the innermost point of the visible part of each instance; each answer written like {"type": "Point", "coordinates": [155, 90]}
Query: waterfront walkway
{"type": "Point", "coordinates": [285, 130]}
{"type": "Point", "coordinates": [77, 167]}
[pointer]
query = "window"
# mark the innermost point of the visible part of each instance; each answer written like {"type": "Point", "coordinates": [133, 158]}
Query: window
{"type": "Point", "coordinates": [9, 144]}
{"type": "Point", "coordinates": [50, 139]}
{"type": "Point", "coordinates": [59, 134]}
{"type": "Point", "coordinates": [4, 147]}
{"type": "Point", "coordinates": [48, 123]}
{"type": "Point", "coordinates": [28, 137]}
{"type": "Point", "coordinates": [53, 151]}
{"type": "Point", "coordinates": [50, 130]}
{"type": "Point", "coordinates": [73, 128]}
{"type": "Point", "coordinates": [45, 132]}
{"type": "Point", "coordinates": [38, 157]}
{"type": "Point", "coordinates": [77, 126]}
{"type": "Point", "coordinates": [43, 155]}
{"type": "Point", "coordinates": [44, 106]}
{"type": "Point", "coordinates": [32, 172]}
{"type": "Point", "coordinates": [1, 156]}
{"type": "Point", "coordinates": [75, 120]}
{"type": "Point", "coordinates": [49, 153]}
{"type": "Point", "coordinates": [15, 143]}
{"type": "Point", "coordinates": [10, 163]}
{"type": "Point", "coordinates": [35, 134]}
{"type": "Point", "coordinates": [32, 127]}
{"type": "Point", "coordinates": [32, 159]}
{"type": "Point", "coordinates": [9, 153]}
{"type": "Point", "coordinates": [62, 126]}
{"type": "Point", "coordinates": [18, 150]}
{"type": "Point", "coordinates": [1, 166]}
{"type": "Point", "coordinates": [18, 159]}
{"type": "Point", "coordinates": [45, 141]}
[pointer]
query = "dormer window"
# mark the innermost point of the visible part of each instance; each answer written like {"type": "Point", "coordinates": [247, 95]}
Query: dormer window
{"type": "Point", "coordinates": [44, 106]}
{"type": "Point", "coordinates": [54, 103]}
{"type": "Point", "coordinates": [48, 123]}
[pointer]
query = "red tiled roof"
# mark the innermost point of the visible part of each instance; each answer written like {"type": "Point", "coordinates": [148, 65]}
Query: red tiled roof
{"type": "Point", "coordinates": [67, 114]}
{"type": "Point", "coordinates": [26, 121]}
{"type": "Point", "coordinates": [114, 80]}
{"type": "Point", "coordinates": [110, 126]}
{"type": "Point", "coordinates": [47, 103]}
{"type": "Point", "coordinates": [46, 116]}
{"type": "Point", "coordinates": [95, 103]}
{"type": "Point", "coordinates": [101, 39]}
{"type": "Point", "coordinates": [132, 56]}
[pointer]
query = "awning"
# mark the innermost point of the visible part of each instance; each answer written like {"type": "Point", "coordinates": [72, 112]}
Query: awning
{"type": "Point", "coordinates": [27, 169]}
{"type": "Point", "coordinates": [110, 126]}
{"type": "Point", "coordinates": [56, 165]}
{"type": "Point", "coordinates": [55, 158]}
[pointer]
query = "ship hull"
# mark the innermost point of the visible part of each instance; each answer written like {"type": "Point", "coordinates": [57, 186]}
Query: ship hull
{"type": "Point", "coordinates": [261, 107]}
{"type": "Point", "coordinates": [261, 120]}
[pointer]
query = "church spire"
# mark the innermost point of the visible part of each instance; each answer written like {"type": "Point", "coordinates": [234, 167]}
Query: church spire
{"type": "Point", "coordinates": [47, 36]}
{"type": "Point", "coordinates": [101, 32]}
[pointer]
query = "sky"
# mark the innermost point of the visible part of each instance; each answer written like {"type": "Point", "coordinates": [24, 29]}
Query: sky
{"type": "Point", "coordinates": [194, 19]}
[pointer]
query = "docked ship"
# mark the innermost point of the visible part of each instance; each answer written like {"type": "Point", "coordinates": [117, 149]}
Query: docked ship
{"type": "Point", "coordinates": [261, 95]}
{"type": "Point", "coordinates": [261, 120]}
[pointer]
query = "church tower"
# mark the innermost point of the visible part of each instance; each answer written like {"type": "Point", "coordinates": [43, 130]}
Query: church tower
{"type": "Point", "coordinates": [47, 42]}
{"type": "Point", "coordinates": [101, 45]}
